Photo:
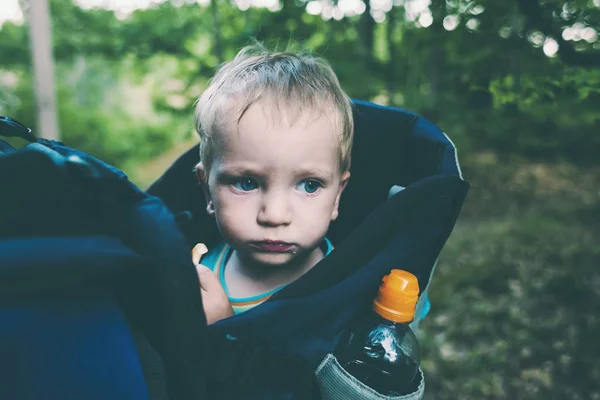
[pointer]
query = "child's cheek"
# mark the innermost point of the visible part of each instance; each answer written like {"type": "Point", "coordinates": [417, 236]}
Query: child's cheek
{"type": "Point", "coordinates": [231, 219]}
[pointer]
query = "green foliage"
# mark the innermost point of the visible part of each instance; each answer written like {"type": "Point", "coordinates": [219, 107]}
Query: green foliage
{"type": "Point", "coordinates": [517, 100]}
{"type": "Point", "coordinates": [93, 115]}
{"type": "Point", "coordinates": [561, 113]}
{"type": "Point", "coordinates": [14, 45]}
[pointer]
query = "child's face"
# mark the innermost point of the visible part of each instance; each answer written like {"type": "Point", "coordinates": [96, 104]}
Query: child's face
{"type": "Point", "coordinates": [273, 186]}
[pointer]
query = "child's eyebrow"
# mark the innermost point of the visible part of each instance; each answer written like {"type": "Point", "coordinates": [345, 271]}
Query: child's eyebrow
{"type": "Point", "coordinates": [240, 170]}
{"type": "Point", "coordinates": [317, 172]}
{"type": "Point", "coordinates": [236, 171]}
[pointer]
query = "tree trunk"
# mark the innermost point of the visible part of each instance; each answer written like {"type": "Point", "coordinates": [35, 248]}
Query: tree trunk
{"type": "Point", "coordinates": [40, 35]}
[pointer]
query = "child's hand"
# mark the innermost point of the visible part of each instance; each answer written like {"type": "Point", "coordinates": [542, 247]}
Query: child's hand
{"type": "Point", "coordinates": [214, 299]}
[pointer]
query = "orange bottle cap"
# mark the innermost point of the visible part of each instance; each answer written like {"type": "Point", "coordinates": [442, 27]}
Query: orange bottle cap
{"type": "Point", "coordinates": [397, 296]}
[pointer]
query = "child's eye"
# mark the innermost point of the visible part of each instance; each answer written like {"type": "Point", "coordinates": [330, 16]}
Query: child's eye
{"type": "Point", "coordinates": [310, 186]}
{"type": "Point", "coordinates": [245, 184]}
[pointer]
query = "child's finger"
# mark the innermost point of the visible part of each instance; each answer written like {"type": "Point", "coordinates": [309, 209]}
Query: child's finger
{"type": "Point", "coordinates": [208, 279]}
{"type": "Point", "coordinates": [197, 252]}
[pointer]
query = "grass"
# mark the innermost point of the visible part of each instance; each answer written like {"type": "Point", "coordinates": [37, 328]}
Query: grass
{"type": "Point", "coordinates": [516, 294]}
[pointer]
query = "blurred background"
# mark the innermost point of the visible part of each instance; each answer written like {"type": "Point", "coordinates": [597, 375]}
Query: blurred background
{"type": "Point", "coordinates": [515, 84]}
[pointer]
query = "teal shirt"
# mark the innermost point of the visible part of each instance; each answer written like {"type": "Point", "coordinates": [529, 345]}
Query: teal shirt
{"type": "Point", "coordinates": [216, 259]}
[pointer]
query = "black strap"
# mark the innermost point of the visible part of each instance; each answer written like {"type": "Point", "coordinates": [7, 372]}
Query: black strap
{"type": "Point", "coordinates": [239, 366]}
{"type": "Point", "coordinates": [12, 128]}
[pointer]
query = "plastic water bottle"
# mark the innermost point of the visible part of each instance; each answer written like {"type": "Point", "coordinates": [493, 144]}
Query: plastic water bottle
{"type": "Point", "coordinates": [380, 349]}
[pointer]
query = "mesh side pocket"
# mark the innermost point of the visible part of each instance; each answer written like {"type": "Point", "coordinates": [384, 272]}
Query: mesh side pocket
{"type": "Point", "coordinates": [336, 384]}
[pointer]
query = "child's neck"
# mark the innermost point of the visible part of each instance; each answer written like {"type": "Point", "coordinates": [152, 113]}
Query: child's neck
{"type": "Point", "coordinates": [245, 279]}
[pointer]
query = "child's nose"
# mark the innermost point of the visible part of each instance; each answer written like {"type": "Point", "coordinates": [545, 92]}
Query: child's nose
{"type": "Point", "coordinates": [276, 210]}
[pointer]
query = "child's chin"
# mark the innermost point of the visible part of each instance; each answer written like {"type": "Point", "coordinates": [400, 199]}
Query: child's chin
{"type": "Point", "coordinates": [273, 259]}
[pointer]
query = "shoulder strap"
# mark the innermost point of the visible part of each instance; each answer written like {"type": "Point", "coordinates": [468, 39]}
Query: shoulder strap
{"type": "Point", "coordinates": [12, 128]}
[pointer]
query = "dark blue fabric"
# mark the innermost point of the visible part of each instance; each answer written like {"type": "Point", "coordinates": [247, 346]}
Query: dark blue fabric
{"type": "Point", "coordinates": [36, 263]}
{"type": "Point", "coordinates": [68, 346]}
{"type": "Point", "coordinates": [84, 254]}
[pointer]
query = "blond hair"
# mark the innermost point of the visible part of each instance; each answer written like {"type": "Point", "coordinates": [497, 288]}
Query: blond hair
{"type": "Point", "coordinates": [300, 80]}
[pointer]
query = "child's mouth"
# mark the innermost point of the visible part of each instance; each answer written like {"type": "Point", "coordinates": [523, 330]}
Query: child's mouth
{"type": "Point", "coordinates": [272, 246]}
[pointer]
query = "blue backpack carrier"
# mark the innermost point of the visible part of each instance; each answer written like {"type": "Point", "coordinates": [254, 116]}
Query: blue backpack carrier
{"type": "Point", "coordinates": [99, 298]}
{"type": "Point", "coordinates": [400, 205]}
{"type": "Point", "coordinates": [96, 282]}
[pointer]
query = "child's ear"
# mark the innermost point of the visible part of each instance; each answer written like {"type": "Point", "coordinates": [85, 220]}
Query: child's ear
{"type": "Point", "coordinates": [202, 176]}
{"type": "Point", "coordinates": [343, 182]}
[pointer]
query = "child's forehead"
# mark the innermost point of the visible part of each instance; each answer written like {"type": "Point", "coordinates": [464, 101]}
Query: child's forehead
{"type": "Point", "coordinates": [268, 126]}
{"type": "Point", "coordinates": [286, 114]}
{"type": "Point", "coordinates": [267, 133]}
{"type": "Point", "coordinates": [269, 112]}
{"type": "Point", "coordinates": [263, 122]}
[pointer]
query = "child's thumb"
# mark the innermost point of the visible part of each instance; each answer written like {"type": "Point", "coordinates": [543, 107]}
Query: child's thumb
{"type": "Point", "coordinates": [197, 252]}
{"type": "Point", "coordinates": [208, 279]}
